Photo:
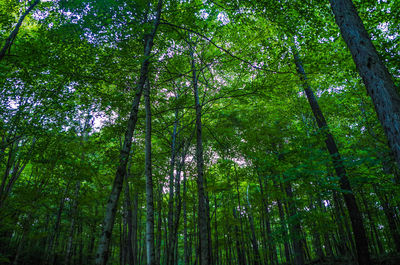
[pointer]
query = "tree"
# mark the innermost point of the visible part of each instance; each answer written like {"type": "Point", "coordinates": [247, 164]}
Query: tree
{"type": "Point", "coordinates": [374, 73]}
{"type": "Point", "coordinates": [10, 39]}
{"type": "Point", "coordinates": [102, 252]}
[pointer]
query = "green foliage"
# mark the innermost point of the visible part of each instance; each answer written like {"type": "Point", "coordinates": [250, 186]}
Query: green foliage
{"type": "Point", "coordinates": [66, 89]}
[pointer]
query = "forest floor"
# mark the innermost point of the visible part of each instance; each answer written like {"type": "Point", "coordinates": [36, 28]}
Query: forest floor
{"type": "Point", "coordinates": [390, 259]}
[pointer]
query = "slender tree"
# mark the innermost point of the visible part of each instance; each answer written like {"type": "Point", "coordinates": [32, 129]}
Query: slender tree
{"type": "Point", "coordinates": [111, 208]}
{"type": "Point", "coordinates": [149, 182]}
{"type": "Point", "coordinates": [354, 212]}
{"type": "Point", "coordinates": [205, 250]}
{"type": "Point", "coordinates": [10, 39]}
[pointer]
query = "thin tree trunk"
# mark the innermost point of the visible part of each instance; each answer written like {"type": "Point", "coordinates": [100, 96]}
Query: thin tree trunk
{"type": "Point", "coordinates": [283, 228]}
{"type": "Point", "coordinates": [10, 39]}
{"type": "Point", "coordinates": [374, 240]}
{"type": "Point", "coordinates": [350, 200]}
{"type": "Point", "coordinates": [122, 240]}
{"type": "Point", "coordinates": [135, 228]}
{"type": "Point", "coordinates": [74, 213]}
{"type": "Point", "coordinates": [316, 237]}
{"type": "Point", "coordinates": [178, 201]}
{"type": "Point", "coordinates": [205, 250]}
{"type": "Point", "coordinates": [327, 242]}
{"type": "Point", "coordinates": [376, 77]}
{"type": "Point", "coordinates": [54, 237]}
{"type": "Point", "coordinates": [390, 216]}
{"type": "Point", "coordinates": [239, 242]}
{"type": "Point", "coordinates": [159, 226]}
{"type": "Point", "coordinates": [295, 227]}
{"type": "Point", "coordinates": [92, 239]}
{"type": "Point", "coordinates": [111, 208]}
{"type": "Point", "coordinates": [80, 253]}
{"type": "Point", "coordinates": [21, 244]}
{"type": "Point", "coordinates": [128, 213]}
{"type": "Point", "coordinates": [272, 256]}
{"type": "Point", "coordinates": [149, 182]}
{"type": "Point", "coordinates": [171, 234]}
{"type": "Point", "coordinates": [342, 247]}
{"type": "Point", "coordinates": [257, 258]}
{"type": "Point", "coordinates": [185, 232]}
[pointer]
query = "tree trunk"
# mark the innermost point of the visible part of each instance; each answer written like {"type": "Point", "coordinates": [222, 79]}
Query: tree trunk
{"type": "Point", "coordinates": [111, 208]}
{"type": "Point", "coordinates": [178, 201]}
{"type": "Point", "coordinates": [257, 258]}
{"type": "Point", "coordinates": [74, 213]}
{"type": "Point", "coordinates": [25, 231]}
{"type": "Point", "coordinates": [216, 250]}
{"type": "Point", "coordinates": [54, 237]}
{"type": "Point", "coordinates": [14, 33]}
{"type": "Point", "coordinates": [316, 237]}
{"type": "Point", "coordinates": [327, 241]}
{"type": "Point", "coordinates": [159, 226]}
{"type": "Point", "coordinates": [283, 228]}
{"type": "Point", "coordinates": [350, 200]}
{"type": "Point", "coordinates": [185, 223]}
{"type": "Point", "coordinates": [171, 234]}
{"type": "Point", "coordinates": [373, 233]}
{"type": "Point", "coordinates": [149, 182]}
{"type": "Point", "coordinates": [272, 256]}
{"type": "Point", "coordinates": [374, 73]}
{"type": "Point", "coordinates": [239, 242]}
{"type": "Point", "coordinates": [128, 214]}
{"type": "Point", "coordinates": [205, 251]}
{"type": "Point", "coordinates": [390, 216]}
{"type": "Point", "coordinates": [294, 227]}
{"type": "Point", "coordinates": [135, 228]}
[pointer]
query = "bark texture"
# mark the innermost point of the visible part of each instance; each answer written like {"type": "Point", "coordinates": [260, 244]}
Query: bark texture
{"type": "Point", "coordinates": [374, 73]}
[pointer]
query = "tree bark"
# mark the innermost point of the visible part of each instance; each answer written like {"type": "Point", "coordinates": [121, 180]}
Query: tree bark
{"type": "Point", "coordinates": [185, 223]}
{"type": "Point", "coordinates": [350, 200]}
{"type": "Point", "coordinates": [10, 39]}
{"type": "Point", "coordinates": [374, 73]}
{"type": "Point", "coordinates": [205, 250]}
{"type": "Point", "coordinates": [149, 182]}
{"type": "Point", "coordinates": [111, 208]}
{"type": "Point", "coordinates": [294, 227]}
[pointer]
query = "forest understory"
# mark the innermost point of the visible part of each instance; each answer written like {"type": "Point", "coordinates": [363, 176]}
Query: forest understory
{"type": "Point", "coordinates": [199, 132]}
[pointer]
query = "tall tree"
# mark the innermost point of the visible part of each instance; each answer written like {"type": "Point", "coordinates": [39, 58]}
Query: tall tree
{"type": "Point", "coordinates": [149, 182]}
{"type": "Point", "coordinates": [111, 208]}
{"type": "Point", "coordinates": [354, 212]}
{"type": "Point", "coordinates": [376, 77]}
{"type": "Point", "coordinates": [205, 248]}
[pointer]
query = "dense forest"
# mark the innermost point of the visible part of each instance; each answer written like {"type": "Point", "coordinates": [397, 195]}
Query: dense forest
{"type": "Point", "coordinates": [199, 132]}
